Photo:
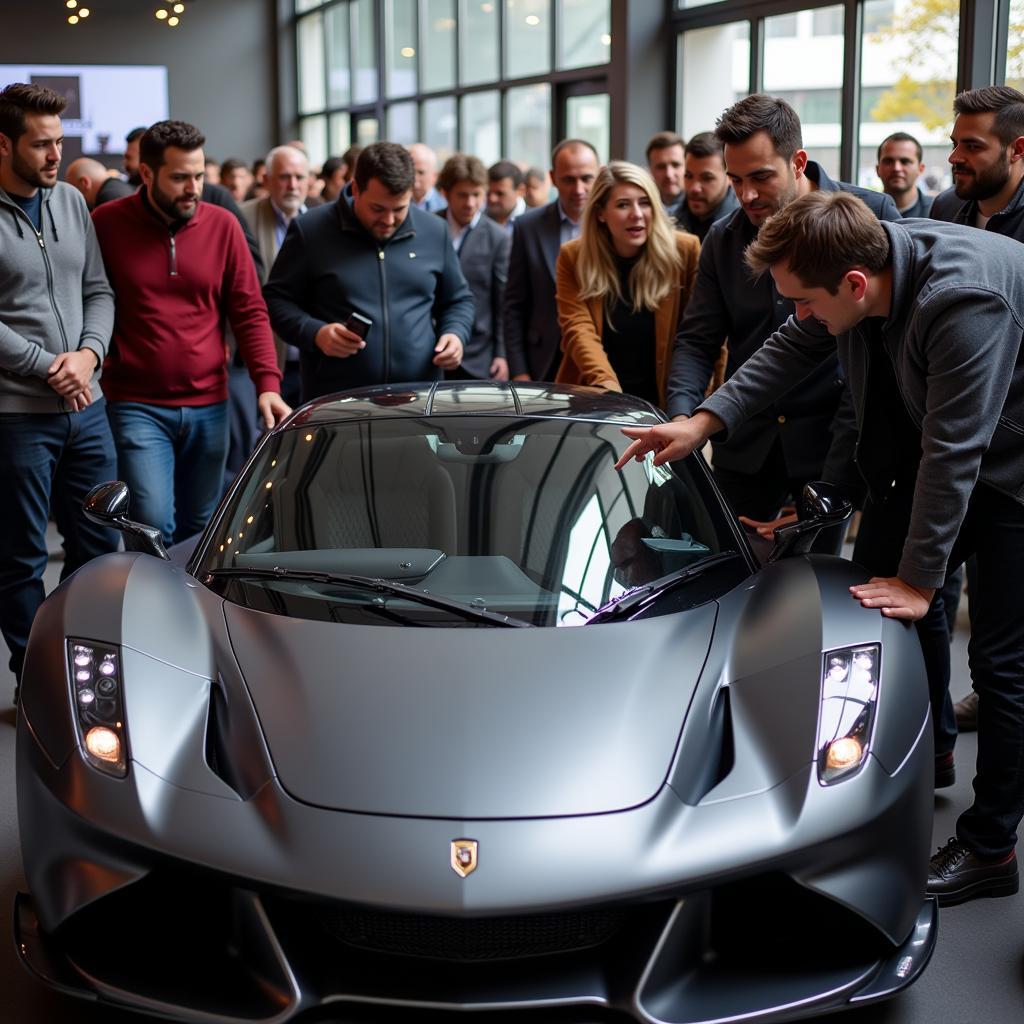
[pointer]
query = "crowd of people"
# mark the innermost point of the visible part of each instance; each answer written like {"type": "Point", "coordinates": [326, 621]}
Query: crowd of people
{"type": "Point", "coordinates": [808, 328]}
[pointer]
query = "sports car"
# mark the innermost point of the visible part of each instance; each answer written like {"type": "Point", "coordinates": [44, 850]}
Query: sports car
{"type": "Point", "coordinates": [443, 713]}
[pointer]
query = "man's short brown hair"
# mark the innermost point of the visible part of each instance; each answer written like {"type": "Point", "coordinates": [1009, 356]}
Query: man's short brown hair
{"type": "Point", "coordinates": [462, 167]}
{"type": "Point", "coordinates": [159, 137]}
{"type": "Point", "coordinates": [19, 99]}
{"type": "Point", "coordinates": [704, 144]}
{"type": "Point", "coordinates": [1003, 101]}
{"type": "Point", "coordinates": [389, 163]}
{"type": "Point", "coordinates": [760, 113]}
{"type": "Point", "coordinates": [820, 237]}
{"type": "Point", "coordinates": [663, 140]}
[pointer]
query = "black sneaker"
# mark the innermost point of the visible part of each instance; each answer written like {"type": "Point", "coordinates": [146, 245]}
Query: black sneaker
{"type": "Point", "coordinates": [957, 874]}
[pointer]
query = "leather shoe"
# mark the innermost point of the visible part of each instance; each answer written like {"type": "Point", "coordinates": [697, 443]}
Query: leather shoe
{"type": "Point", "coordinates": [945, 771]}
{"type": "Point", "coordinates": [966, 712]}
{"type": "Point", "coordinates": [957, 874]}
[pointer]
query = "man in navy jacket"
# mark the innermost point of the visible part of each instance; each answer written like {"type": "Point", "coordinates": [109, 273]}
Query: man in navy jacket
{"type": "Point", "coordinates": [368, 253]}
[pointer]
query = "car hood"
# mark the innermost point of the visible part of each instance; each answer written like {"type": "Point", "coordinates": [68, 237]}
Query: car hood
{"type": "Point", "coordinates": [471, 722]}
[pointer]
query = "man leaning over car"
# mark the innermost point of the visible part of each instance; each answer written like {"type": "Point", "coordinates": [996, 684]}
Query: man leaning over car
{"type": "Point", "coordinates": [932, 347]}
{"type": "Point", "coordinates": [370, 255]}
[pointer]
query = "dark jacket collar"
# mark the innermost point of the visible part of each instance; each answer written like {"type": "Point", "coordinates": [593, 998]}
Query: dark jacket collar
{"type": "Point", "coordinates": [967, 214]}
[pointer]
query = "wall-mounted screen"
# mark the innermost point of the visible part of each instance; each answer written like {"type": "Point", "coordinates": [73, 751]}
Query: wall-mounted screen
{"type": "Point", "coordinates": [105, 102]}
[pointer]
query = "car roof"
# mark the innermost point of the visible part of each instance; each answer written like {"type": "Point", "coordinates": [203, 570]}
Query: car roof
{"type": "Point", "coordinates": [477, 398]}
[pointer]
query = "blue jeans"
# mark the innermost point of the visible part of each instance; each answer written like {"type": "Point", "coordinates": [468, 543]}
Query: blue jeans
{"type": "Point", "coordinates": [50, 462]}
{"type": "Point", "coordinates": [172, 459]}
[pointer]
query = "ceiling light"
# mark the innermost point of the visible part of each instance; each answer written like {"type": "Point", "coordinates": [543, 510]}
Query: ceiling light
{"type": "Point", "coordinates": [83, 12]}
{"type": "Point", "coordinates": [408, 51]}
{"type": "Point", "coordinates": [73, 20]}
{"type": "Point", "coordinates": [71, 4]}
{"type": "Point", "coordinates": [532, 19]}
{"type": "Point", "coordinates": [161, 14]}
{"type": "Point", "coordinates": [178, 8]}
{"type": "Point", "coordinates": [172, 22]}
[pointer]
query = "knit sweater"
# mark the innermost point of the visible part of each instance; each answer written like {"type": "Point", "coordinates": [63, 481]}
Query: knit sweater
{"type": "Point", "coordinates": [174, 289]}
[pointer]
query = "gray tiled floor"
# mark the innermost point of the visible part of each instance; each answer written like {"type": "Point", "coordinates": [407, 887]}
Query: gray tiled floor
{"type": "Point", "coordinates": [976, 976]}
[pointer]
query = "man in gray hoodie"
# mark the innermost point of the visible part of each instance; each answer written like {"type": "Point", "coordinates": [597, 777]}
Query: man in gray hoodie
{"type": "Point", "coordinates": [56, 316]}
{"type": "Point", "coordinates": [931, 344]}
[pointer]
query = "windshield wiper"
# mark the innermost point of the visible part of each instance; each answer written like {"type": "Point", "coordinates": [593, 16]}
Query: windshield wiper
{"type": "Point", "coordinates": [622, 606]}
{"type": "Point", "coordinates": [370, 583]}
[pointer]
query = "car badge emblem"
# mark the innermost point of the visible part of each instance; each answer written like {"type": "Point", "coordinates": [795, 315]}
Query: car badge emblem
{"type": "Point", "coordinates": [464, 856]}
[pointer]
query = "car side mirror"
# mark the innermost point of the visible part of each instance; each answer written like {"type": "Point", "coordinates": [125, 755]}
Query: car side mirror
{"type": "Point", "coordinates": [107, 505]}
{"type": "Point", "coordinates": [821, 505]}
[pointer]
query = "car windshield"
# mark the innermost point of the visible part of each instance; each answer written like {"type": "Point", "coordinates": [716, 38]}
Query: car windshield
{"type": "Point", "coordinates": [511, 516]}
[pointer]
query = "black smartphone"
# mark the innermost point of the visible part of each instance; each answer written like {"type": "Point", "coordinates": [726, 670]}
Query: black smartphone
{"type": "Point", "coordinates": [358, 324]}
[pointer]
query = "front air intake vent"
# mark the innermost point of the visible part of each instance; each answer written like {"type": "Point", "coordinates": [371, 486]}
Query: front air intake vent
{"type": "Point", "coordinates": [471, 939]}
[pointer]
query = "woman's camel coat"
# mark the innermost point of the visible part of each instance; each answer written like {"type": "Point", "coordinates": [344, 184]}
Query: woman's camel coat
{"type": "Point", "coordinates": [584, 359]}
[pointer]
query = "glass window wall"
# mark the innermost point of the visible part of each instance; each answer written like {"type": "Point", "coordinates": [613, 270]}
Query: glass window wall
{"type": "Point", "coordinates": [528, 117]}
{"type": "Point", "coordinates": [365, 37]}
{"type": "Point", "coordinates": [479, 47]}
{"type": "Point", "coordinates": [585, 36]}
{"type": "Point", "coordinates": [413, 68]}
{"type": "Point", "coordinates": [528, 30]}
{"type": "Point", "coordinates": [402, 124]}
{"type": "Point", "coordinates": [339, 72]}
{"type": "Point", "coordinates": [807, 71]}
{"type": "Point", "coordinates": [481, 125]}
{"type": "Point", "coordinates": [437, 58]}
{"type": "Point", "coordinates": [714, 72]}
{"type": "Point", "coordinates": [313, 132]}
{"type": "Point", "coordinates": [587, 118]}
{"type": "Point", "coordinates": [908, 80]}
{"type": "Point", "coordinates": [310, 44]}
{"type": "Point", "coordinates": [400, 34]}
{"type": "Point", "coordinates": [1015, 46]}
{"type": "Point", "coordinates": [440, 126]}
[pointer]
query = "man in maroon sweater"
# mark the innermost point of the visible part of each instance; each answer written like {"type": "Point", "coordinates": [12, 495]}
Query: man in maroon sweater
{"type": "Point", "coordinates": [178, 268]}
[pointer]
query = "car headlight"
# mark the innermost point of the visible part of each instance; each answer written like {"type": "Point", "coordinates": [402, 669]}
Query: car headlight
{"type": "Point", "coordinates": [849, 696]}
{"type": "Point", "coordinates": [97, 696]}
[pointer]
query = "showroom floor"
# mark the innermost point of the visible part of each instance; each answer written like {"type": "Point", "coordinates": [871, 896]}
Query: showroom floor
{"type": "Point", "coordinates": [976, 975]}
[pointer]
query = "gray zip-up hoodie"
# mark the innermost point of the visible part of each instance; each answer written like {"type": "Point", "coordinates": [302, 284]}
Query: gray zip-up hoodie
{"type": "Point", "coordinates": [54, 297]}
{"type": "Point", "coordinates": [954, 335]}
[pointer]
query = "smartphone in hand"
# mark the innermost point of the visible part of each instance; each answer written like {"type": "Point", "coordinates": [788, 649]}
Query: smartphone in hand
{"type": "Point", "coordinates": [358, 324]}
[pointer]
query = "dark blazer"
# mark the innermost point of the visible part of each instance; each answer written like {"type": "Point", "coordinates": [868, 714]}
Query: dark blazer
{"type": "Point", "coordinates": [727, 304]}
{"type": "Point", "coordinates": [532, 338]}
{"type": "Point", "coordinates": [484, 258]}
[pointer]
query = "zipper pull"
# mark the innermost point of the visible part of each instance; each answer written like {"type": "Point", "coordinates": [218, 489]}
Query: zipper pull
{"type": "Point", "coordinates": [39, 239]}
{"type": "Point", "coordinates": [380, 254]}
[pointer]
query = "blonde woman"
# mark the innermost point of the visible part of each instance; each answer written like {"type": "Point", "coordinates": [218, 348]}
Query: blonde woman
{"type": "Point", "coordinates": [621, 287]}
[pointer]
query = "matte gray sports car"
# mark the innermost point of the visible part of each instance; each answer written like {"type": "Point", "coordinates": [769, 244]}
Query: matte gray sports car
{"type": "Point", "coordinates": [347, 762]}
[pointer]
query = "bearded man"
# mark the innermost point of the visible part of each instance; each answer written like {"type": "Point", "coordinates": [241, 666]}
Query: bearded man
{"type": "Point", "coordinates": [178, 266]}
